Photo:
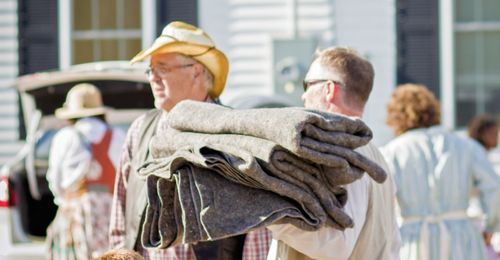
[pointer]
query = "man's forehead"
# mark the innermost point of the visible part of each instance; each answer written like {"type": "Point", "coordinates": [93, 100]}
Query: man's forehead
{"type": "Point", "coordinates": [165, 58]}
{"type": "Point", "coordinates": [318, 71]}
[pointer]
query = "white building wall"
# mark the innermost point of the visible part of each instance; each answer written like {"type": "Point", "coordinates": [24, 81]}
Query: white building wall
{"type": "Point", "coordinates": [8, 72]}
{"type": "Point", "coordinates": [243, 29]}
{"type": "Point", "coordinates": [370, 27]}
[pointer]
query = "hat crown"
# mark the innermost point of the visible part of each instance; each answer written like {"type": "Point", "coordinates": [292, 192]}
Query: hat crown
{"type": "Point", "coordinates": [182, 38]}
{"type": "Point", "coordinates": [82, 100]}
{"type": "Point", "coordinates": [83, 96]}
{"type": "Point", "coordinates": [184, 32]}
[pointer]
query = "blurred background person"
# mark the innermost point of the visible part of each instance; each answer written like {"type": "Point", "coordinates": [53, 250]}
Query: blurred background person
{"type": "Point", "coordinates": [484, 129]}
{"type": "Point", "coordinates": [434, 171]}
{"type": "Point", "coordinates": [81, 174]}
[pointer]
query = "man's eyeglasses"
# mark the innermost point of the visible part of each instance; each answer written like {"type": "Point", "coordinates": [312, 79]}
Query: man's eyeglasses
{"type": "Point", "coordinates": [308, 83]}
{"type": "Point", "coordinates": [164, 71]}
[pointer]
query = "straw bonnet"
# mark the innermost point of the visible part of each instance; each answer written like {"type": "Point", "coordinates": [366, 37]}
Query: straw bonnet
{"type": "Point", "coordinates": [191, 41]}
{"type": "Point", "coordinates": [82, 100]}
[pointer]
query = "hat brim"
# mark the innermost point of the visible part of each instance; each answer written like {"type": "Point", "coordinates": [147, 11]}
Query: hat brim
{"type": "Point", "coordinates": [213, 59]}
{"type": "Point", "coordinates": [64, 113]}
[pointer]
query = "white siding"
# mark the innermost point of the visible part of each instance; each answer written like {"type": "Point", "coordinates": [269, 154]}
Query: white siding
{"type": "Point", "coordinates": [8, 72]}
{"type": "Point", "coordinates": [244, 30]}
{"type": "Point", "coordinates": [370, 27]}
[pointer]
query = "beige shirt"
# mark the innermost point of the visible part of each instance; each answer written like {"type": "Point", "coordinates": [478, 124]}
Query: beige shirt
{"type": "Point", "coordinates": [375, 234]}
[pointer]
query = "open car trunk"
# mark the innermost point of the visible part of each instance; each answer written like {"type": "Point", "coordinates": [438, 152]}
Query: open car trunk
{"type": "Point", "coordinates": [125, 90]}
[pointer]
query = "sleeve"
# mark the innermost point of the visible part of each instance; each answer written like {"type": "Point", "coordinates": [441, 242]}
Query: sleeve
{"type": "Point", "coordinates": [69, 161]}
{"type": "Point", "coordinates": [117, 228]}
{"type": "Point", "coordinates": [488, 183]}
{"type": "Point", "coordinates": [117, 144]}
{"type": "Point", "coordinates": [327, 242]}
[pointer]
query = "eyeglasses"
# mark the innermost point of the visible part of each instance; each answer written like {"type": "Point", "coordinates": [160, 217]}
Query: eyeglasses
{"type": "Point", "coordinates": [308, 83]}
{"type": "Point", "coordinates": [164, 71]}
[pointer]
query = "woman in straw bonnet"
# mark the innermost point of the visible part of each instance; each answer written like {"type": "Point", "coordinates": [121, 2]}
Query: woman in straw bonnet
{"type": "Point", "coordinates": [81, 175]}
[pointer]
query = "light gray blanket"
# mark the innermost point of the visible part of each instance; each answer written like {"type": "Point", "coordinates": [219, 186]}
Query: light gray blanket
{"type": "Point", "coordinates": [206, 205]}
{"type": "Point", "coordinates": [266, 166]}
{"type": "Point", "coordinates": [324, 138]}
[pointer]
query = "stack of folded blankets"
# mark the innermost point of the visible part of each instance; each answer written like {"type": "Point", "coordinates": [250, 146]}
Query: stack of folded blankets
{"type": "Point", "coordinates": [218, 172]}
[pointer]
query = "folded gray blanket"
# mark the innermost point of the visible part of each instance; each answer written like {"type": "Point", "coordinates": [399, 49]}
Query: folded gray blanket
{"type": "Point", "coordinates": [275, 166]}
{"type": "Point", "coordinates": [205, 205]}
{"type": "Point", "coordinates": [298, 157]}
{"type": "Point", "coordinates": [323, 138]}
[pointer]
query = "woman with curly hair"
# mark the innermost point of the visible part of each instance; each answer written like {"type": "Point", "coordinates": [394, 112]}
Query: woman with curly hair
{"type": "Point", "coordinates": [434, 171]}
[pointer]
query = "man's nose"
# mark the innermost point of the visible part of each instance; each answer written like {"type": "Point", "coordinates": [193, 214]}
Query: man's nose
{"type": "Point", "coordinates": [153, 76]}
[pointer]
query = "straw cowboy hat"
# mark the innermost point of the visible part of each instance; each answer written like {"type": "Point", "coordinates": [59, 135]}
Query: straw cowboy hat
{"type": "Point", "coordinates": [82, 100]}
{"type": "Point", "coordinates": [191, 41]}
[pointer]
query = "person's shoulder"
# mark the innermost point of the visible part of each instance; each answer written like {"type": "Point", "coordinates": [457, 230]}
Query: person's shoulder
{"type": "Point", "coordinates": [403, 142]}
{"type": "Point", "coordinates": [471, 144]}
{"type": "Point", "coordinates": [138, 122]}
{"type": "Point", "coordinates": [119, 133]}
{"type": "Point", "coordinates": [374, 153]}
{"type": "Point", "coordinates": [66, 132]}
{"type": "Point", "coordinates": [461, 140]}
{"type": "Point", "coordinates": [134, 131]}
{"type": "Point", "coordinates": [368, 150]}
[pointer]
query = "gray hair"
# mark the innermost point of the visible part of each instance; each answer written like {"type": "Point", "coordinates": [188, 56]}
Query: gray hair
{"type": "Point", "coordinates": [209, 77]}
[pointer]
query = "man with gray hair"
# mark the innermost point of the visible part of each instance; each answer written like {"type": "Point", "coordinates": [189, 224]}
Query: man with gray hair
{"type": "Point", "coordinates": [340, 81]}
{"type": "Point", "coordinates": [184, 64]}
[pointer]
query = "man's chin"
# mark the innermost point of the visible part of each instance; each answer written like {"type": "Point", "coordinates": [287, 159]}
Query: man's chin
{"type": "Point", "coordinates": [161, 103]}
{"type": "Point", "coordinates": [167, 106]}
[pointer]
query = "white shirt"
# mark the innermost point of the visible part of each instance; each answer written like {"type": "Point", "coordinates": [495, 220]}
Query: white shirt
{"type": "Point", "coordinates": [71, 160]}
{"type": "Point", "coordinates": [330, 243]}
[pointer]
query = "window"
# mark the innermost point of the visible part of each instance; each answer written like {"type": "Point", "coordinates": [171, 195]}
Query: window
{"type": "Point", "coordinates": [477, 66]}
{"type": "Point", "coordinates": [105, 30]}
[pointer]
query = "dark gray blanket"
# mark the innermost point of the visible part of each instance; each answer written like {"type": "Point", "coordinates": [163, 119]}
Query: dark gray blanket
{"type": "Point", "coordinates": [323, 138]}
{"type": "Point", "coordinates": [190, 198]}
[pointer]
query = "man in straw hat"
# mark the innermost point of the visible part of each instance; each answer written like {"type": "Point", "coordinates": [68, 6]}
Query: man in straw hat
{"type": "Point", "coordinates": [184, 64]}
{"type": "Point", "coordinates": [340, 81]}
{"type": "Point", "coordinates": [81, 175]}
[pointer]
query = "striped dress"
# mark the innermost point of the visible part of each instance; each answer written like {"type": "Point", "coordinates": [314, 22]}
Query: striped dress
{"type": "Point", "coordinates": [434, 172]}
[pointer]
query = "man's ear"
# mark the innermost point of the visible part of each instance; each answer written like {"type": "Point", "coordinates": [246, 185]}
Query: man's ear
{"type": "Point", "coordinates": [331, 90]}
{"type": "Point", "coordinates": [198, 69]}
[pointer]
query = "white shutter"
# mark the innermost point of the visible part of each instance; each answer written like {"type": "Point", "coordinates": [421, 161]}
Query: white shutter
{"type": "Point", "coordinates": [8, 72]}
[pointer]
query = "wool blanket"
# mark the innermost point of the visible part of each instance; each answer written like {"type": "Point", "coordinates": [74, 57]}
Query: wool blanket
{"type": "Point", "coordinates": [324, 138]}
{"type": "Point", "coordinates": [192, 196]}
{"type": "Point", "coordinates": [275, 165]}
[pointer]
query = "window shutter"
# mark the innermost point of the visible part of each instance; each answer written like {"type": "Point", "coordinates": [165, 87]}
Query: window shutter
{"type": "Point", "coordinates": [38, 35]}
{"type": "Point", "coordinates": [176, 10]}
{"type": "Point", "coordinates": [418, 43]}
